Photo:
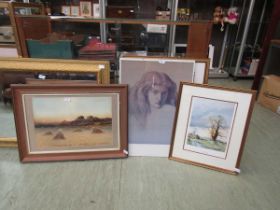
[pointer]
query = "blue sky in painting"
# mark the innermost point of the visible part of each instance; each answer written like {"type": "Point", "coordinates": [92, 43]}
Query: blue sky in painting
{"type": "Point", "coordinates": [203, 108]}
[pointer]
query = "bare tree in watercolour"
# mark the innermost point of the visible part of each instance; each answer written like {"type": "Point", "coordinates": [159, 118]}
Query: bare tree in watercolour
{"type": "Point", "coordinates": [216, 123]}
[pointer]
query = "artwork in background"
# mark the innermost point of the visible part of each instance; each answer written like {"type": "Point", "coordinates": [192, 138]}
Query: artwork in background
{"type": "Point", "coordinates": [75, 10]}
{"type": "Point", "coordinates": [66, 10]}
{"type": "Point", "coordinates": [70, 122]}
{"type": "Point", "coordinates": [96, 10]}
{"type": "Point", "coordinates": [153, 87]}
{"type": "Point", "coordinates": [86, 8]}
{"type": "Point", "coordinates": [210, 126]}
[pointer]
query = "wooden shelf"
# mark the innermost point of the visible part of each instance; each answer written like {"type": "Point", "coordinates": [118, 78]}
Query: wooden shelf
{"type": "Point", "coordinates": [117, 20]}
{"type": "Point", "coordinates": [275, 42]}
{"type": "Point", "coordinates": [113, 20]}
{"type": "Point", "coordinates": [8, 45]}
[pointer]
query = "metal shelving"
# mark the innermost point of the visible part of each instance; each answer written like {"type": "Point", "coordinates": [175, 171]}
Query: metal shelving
{"type": "Point", "coordinates": [241, 46]}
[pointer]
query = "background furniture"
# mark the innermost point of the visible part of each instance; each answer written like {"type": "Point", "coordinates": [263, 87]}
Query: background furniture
{"type": "Point", "coordinates": [244, 40]}
{"type": "Point", "coordinates": [198, 44]}
{"type": "Point", "coordinates": [10, 11]}
{"type": "Point", "coordinates": [270, 48]}
{"type": "Point", "coordinates": [272, 63]}
{"type": "Point", "coordinates": [8, 32]}
{"type": "Point", "coordinates": [31, 28]}
{"type": "Point", "coordinates": [127, 23]}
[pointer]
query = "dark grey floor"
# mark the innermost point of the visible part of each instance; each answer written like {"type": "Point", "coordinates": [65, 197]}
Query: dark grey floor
{"type": "Point", "coordinates": [150, 183]}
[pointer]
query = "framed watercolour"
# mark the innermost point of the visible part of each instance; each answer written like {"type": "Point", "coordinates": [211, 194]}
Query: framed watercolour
{"type": "Point", "coordinates": [70, 122]}
{"type": "Point", "coordinates": [66, 10]}
{"type": "Point", "coordinates": [210, 126]}
{"type": "Point", "coordinates": [153, 86]}
{"type": "Point", "coordinates": [75, 10]}
{"type": "Point", "coordinates": [86, 8]}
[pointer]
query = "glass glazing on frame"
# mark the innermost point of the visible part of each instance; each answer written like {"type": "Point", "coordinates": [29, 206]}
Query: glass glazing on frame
{"type": "Point", "coordinates": [209, 126]}
{"type": "Point", "coordinates": [61, 122]}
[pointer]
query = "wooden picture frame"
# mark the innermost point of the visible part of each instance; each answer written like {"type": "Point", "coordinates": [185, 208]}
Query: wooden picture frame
{"type": "Point", "coordinates": [86, 8]}
{"type": "Point", "coordinates": [201, 69]}
{"type": "Point", "coordinates": [211, 125]}
{"type": "Point", "coordinates": [33, 81]}
{"type": "Point", "coordinates": [66, 10]}
{"type": "Point", "coordinates": [75, 10]}
{"type": "Point", "coordinates": [150, 128]}
{"type": "Point", "coordinates": [70, 122]}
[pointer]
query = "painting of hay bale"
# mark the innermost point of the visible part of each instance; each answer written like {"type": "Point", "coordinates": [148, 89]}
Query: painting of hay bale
{"type": "Point", "coordinates": [209, 126]}
{"type": "Point", "coordinates": [72, 123]}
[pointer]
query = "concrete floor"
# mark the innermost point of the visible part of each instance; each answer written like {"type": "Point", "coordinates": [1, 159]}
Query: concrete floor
{"type": "Point", "coordinates": [7, 126]}
{"type": "Point", "coordinates": [150, 183]}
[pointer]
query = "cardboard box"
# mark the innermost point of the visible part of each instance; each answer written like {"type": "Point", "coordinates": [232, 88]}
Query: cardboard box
{"type": "Point", "coordinates": [269, 95]}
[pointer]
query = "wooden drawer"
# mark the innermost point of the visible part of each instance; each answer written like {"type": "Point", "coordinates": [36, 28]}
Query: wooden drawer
{"type": "Point", "coordinates": [120, 12]}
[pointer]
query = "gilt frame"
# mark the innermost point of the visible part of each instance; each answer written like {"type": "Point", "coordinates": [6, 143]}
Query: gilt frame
{"type": "Point", "coordinates": [100, 68]}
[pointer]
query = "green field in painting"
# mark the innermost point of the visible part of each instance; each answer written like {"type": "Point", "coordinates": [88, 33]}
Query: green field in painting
{"type": "Point", "coordinates": [208, 144]}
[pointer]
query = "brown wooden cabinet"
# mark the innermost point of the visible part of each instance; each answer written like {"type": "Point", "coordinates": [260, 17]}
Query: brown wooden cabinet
{"type": "Point", "coordinates": [31, 28]}
{"type": "Point", "coordinates": [11, 11]}
{"type": "Point", "coordinates": [128, 26]}
{"type": "Point", "coordinates": [7, 31]}
{"type": "Point", "coordinates": [199, 39]}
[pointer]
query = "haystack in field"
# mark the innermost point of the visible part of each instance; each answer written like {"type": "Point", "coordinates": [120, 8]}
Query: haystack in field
{"type": "Point", "coordinates": [97, 130]}
{"type": "Point", "coordinates": [59, 136]}
{"type": "Point", "coordinates": [48, 133]}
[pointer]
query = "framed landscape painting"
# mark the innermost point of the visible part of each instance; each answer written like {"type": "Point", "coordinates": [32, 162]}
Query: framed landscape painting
{"type": "Point", "coordinates": [70, 122]}
{"type": "Point", "coordinates": [209, 131]}
{"type": "Point", "coordinates": [211, 125]}
{"type": "Point", "coordinates": [153, 88]}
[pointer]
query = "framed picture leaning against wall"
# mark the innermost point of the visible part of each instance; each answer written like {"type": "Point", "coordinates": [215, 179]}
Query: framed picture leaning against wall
{"type": "Point", "coordinates": [211, 125]}
{"type": "Point", "coordinates": [70, 122]}
{"type": "Point", "coordinates": [153, 84]}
